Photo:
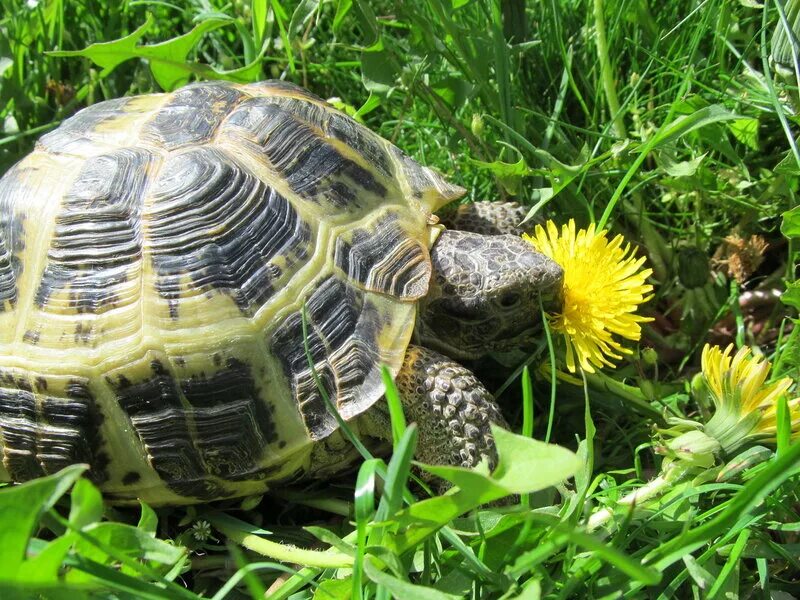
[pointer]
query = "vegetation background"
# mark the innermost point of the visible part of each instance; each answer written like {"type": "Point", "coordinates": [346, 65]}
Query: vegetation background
{"type": "Point", "coordinates": [674, 123]}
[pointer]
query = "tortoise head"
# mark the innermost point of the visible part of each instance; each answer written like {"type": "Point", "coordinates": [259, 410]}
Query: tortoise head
{"type": "Point", "coordinates": [485, 294]}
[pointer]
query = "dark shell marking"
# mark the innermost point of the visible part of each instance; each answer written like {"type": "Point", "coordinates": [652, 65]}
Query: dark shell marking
{"type": "Point", "coordinates": [12, 238]}
{"type": "Point", "coordinates": [342, 329]}
{"type": "Point", "coordinates": [385, 259]}
{"type": "Point", "coordinates": [199, 426]}
{"type": "Point", "coordinates": [97, 237]}
{"type": "Point", "coordinates": [75, 135]}
{"type": "Point", "coordinates": [329, 123]}
{"type": "Point", "coordinates": [313, 168]}
{"type": "Point", "coordinates": [8, 280]}
{"type": "Point", "coordinates": [217, 223]}
{"type": "Point", "coordinates": [191, 116]}
{"type": "Point", "coordinates": [43, 433]}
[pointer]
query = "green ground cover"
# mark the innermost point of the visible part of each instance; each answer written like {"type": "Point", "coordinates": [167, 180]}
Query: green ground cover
{"type": "Point", "coordinates": [674, 124]}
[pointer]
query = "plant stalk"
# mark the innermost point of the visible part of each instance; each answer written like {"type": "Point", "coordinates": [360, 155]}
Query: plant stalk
{"type": "Point", "coordinates": [281, 552]}
{"type": "Point", "coordinates": [607, 77]}
{"type": "Point", "coordinates": [653, 489]}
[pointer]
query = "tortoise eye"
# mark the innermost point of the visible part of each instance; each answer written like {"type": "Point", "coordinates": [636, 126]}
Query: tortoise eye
{"type": "Point", "coordinates": [509, 299]}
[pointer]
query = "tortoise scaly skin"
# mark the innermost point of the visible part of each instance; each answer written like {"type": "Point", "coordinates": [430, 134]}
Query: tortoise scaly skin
{"type": "Point", "coordinates": [157, 257]}
{"type": "Point", "coordinates": [490, 218]}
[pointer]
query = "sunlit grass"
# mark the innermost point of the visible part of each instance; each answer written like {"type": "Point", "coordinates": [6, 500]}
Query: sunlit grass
{"type": "Point", "coordinates": [670, 129]}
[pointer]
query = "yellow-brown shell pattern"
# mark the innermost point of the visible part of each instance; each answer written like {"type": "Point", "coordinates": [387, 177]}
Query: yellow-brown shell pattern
{"type": "Point", "coordinates": [157, 254]}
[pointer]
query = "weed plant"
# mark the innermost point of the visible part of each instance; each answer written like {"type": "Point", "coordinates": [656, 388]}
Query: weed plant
{"type": "Point", "coordinates": [672, 123]}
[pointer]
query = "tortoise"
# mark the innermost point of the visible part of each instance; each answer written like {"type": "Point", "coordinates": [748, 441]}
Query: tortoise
{"type": "Point", "coordinates": [161, 256]}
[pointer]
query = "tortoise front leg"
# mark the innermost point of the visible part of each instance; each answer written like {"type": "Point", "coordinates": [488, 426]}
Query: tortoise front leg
{"type": "Point", "coordinates": [451, 408]}
{"type": "Point", "coordinates": [490, 218]}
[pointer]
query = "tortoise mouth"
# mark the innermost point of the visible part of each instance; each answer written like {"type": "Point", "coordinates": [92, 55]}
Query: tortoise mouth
{"type": "Point", "coordinates": [514, 340]}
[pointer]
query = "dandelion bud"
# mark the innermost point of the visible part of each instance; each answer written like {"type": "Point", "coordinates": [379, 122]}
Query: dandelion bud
{"type": "Point", "coordinates": [477, 125]}
{"type": "Point", "coordinates": [693, 268]}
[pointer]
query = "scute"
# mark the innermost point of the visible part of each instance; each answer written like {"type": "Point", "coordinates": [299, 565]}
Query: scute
{"type": "Point", "coordinates": [198, 429]}
{"type": "Point", "coordinates": [191, 115]}
{"type": "Point", "coordinates": [97, 241]}
{"type": "Point", "coordinates": [101, 127]}
{"type": "Point", "coordinates": [8, 280]}
{"type": "Point", "coordinates": [312, 167]}
{"type": "Point", "coordinates": [344, 330]}
{"type": "Point", "coordinates": [214, 226]}
{"type": "Point", "coordinates": [159, 257]}
{"type": "Point", "coordinates": [385, 258]}
{"type": "Point", "coordinates": [12, 239]}
{"type": "Point", "coordinates": [48, 427]}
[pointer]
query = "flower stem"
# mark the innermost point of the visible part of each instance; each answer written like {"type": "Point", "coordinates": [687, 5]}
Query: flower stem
{"type": "Point", "coordinates": [628, 393]}
{"type": "Point", "coordinates": [609, 87]}
{"type": "Point", "coordinates": [653, 489]}
{"type": "Point", "coordinates": [281, 552]}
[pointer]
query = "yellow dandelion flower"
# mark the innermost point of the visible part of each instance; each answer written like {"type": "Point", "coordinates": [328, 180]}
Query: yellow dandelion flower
{"type": "Point", "coordinates": [604, 285]}
{"type": "Point", "coordinates": [746, 407]}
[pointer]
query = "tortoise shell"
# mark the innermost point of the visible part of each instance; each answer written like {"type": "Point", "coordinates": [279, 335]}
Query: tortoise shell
{"type": "Point", "coordinates": [157, 255]}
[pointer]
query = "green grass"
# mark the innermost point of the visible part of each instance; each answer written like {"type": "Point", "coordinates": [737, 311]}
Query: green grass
{"type": "Point", "coordinates": [666, 122]}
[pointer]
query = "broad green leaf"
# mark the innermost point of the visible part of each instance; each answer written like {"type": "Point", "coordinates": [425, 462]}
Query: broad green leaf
{"type": "Point", "coordinates": [790, 226]}
{"type": "Point", "coordinates": [377, 72]}
{"type": "Point", "coordinates": [110, 54]}
{"type": "Point", "coordinates": [504, 169]}
{"type": "Point", "coordinates": [258, 17]}
{"type": "Point", "coordinates": [561, 174]}
{"type": "Point", "coordinates": [684, 168]}
{"type": "Point", "coordinates": [454, 91]}
{"type": "Point", "coordinates": [123, 540]}
{"type": "Point", "coordinates": [22, 506]}
{"type": "Point", "coordinates": [788, 166]}
{"type": "Point", "coordinates": [687, 123]}
{"type": "Point", "coordinates": [746, 131]}
{"type": "Point", "coordinates": [53, 590]}
{"type": "Point", "coordinates": [791, 297]}
{"type": "Point", "coordinates": [301, 15]}
{"type": "Point", "coordinates": [167, 60]}
{"type": "Point", "coordinates": [531, 591]}
{"type": "Point", "coordinates": [45, 565]}
{"type": "Point", "coordinates": [524, 466]}
{"type": "Point", "coordinates": [334, 589]}
{"type": "Point", "coordinates": [369, 24]}
{"type": "Point", "coordinates": [509, 175]}
{"type": "Point", "coordinates": [87, 504]}
{"type": "Point", "coordinates": [404, 589]}
{"type": "Point", "coordinates": [148, 521]}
